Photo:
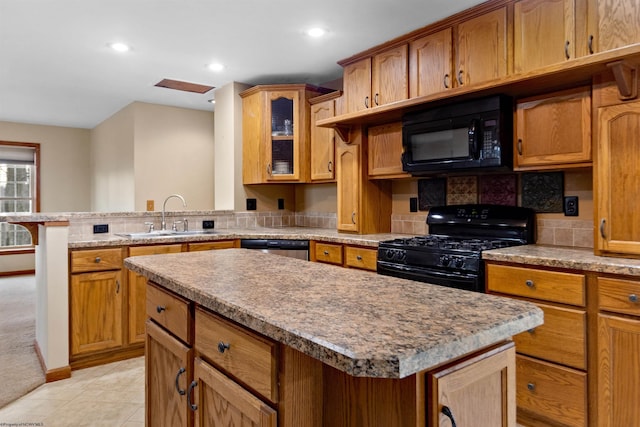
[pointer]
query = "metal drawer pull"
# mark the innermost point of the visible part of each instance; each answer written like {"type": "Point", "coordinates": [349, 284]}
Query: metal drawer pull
{"type": "Point", "coordinates": [358, 257]}
{"type": "Point", "coordinates": [192, 406]}
{"type": "Point", "coordinates": [529, 283]}
{"type": "Point", "coordinates": [97, 260]}
{"type": "Point", "coordinates": [447, 412]}
{"type": "Point", "coordinates": [531, 331]}
{"type": "Point", "coordinates": [222, 347]}
{"type": "Point", "coordinates": [160, 308]}
{"type": "Point", "coordinates": [180, 391]}
{"type": "Point", "coordinates": [531, 386]}
{"type": "Point", "coordinates": [633, 298]}
{"type": "Point", "coordinates": [326, 253]}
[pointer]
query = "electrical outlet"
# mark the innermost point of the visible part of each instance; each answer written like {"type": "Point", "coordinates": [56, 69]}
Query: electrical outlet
{"type": "Point", "coordinates": [280, 203]}
{"type": "Point", "coordinates": [571, 206]}
{"type": "Point", "coordinates": [100, 228]}
{"type": "Point", "coordinates": [413, 204]}
{"type": "Point", "coordinates": [252, 204]}
{"type": "Point", "coordinates": [208, 224]}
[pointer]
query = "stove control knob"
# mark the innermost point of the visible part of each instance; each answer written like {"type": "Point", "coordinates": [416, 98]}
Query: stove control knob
{"type": "Point", "coordinates": [445, 260]}
{"type": "Point", "coordinates": [459, 262]}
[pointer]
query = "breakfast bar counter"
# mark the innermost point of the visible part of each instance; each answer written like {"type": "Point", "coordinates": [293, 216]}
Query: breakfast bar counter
{"type": "Point", "coordinates": [354, 326]}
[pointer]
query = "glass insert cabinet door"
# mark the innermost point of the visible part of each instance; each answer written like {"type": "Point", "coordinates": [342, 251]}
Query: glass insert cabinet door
{"type": "Point", "coordinates": [283, 146]}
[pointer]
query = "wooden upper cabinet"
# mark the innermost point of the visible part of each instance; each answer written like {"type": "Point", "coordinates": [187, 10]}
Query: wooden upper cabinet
{"type": "Point", "coordinates": [613, 24]}
{"type": "Point", "coordinates": [385, 151]}
{"type": "Point", "coordinates": [376, 80]}
{"type": "Point", "coordinates": [323, 140]}
{"type": "Point", "coordinates": [554, 130]}
{"type": "Point", "coordinates": [617, 179]}
{"type": "Point", "coordinates": [275, 133]}
{"type": "Point", "coordinates": [431, 63]}
{"type": "Point", "coordinates": [482, 48]}
{"type": "Point", "coordinates": [390, 76]}
{"type": "Point", "coordinates": [544, 33]}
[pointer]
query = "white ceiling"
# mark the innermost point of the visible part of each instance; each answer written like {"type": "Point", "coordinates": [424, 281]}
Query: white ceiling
{"type": "Point", "coordinates": [56, 67]}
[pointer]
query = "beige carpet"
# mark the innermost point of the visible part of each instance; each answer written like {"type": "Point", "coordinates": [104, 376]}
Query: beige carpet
{"type": "Point", "coordinates": [20, 370]}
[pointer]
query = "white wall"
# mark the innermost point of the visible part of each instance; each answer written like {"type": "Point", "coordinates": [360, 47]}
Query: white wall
{"type": "Point", "coordinates": [65, 171]}
{"type": "Point", "coordinates": [173, 153]}
{"type": "Point", "coordinates": [113, 179]}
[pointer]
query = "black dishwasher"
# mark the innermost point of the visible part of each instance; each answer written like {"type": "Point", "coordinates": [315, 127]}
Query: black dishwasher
{"type": "Point", "coordinates": [285, 247]}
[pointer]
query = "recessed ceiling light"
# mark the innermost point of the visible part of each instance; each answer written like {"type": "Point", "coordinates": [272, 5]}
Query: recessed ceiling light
{"type": "Point", "coordinates": [215, 67]}
{"type": "Point", "coordinates": [119, 47]}
{"type": "Point", "coordinates": [316, 32]}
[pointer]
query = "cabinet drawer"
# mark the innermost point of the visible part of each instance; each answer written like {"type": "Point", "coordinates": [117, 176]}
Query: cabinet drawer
{"type": "Point", "coordinates": [561, 339]}
{"type": "Point", "coordinates": [622, 296]}
{"type": "Point", "coordinates": [96, 260]}
{"type": "Point", "coordinates": [247, 357]}
{"type": "Point", "coordinates": [207, 246]}
{"type": "Point", "coordinates": [326, 252]}
{"type": "Point", "coordinates": [170, 311]}
{"type": "Point", "coordinates": [567, 288]}
{"type": "Point", "coordinates": [154, 250]}
{"type": "Point", "coordinates": [360, 257]}
{"type": "Point", "coordinates": [550, 391]}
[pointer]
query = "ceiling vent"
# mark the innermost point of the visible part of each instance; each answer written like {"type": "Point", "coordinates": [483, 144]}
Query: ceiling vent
{"type": "Point", "coordinates": [183, 86]}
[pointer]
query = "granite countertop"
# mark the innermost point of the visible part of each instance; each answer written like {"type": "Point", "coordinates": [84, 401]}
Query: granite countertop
{"type": "Point", "coordinates": [562, 257]}
{"type": "Point", "coordinates": [359, 322]}
{"type": "Point", "coordinates": [303, 233]}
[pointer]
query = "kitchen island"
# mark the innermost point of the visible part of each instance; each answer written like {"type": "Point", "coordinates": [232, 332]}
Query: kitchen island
{"type": "Point", "coordinates": [291, 343]}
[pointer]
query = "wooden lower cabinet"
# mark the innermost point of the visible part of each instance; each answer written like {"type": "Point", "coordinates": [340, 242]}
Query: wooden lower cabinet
{"type": "Point", "coordinates": [219, 401]}
{"type": "Point", "coordinates": [96, 307]}
{"type": "Point", "coordinates": [137, 285]}
{"type": "Point", "coordinates": [169, 368]}
{"type": "Point", "coordinates": [552, 362]}
{"type": "Point", "coordinates": [618, 352]}
{"type": "Point", "coordinates": [241, 378]}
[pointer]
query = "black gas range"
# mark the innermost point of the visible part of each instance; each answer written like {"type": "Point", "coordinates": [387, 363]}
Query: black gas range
{"type": "Point", "coordinates": [450, 255]}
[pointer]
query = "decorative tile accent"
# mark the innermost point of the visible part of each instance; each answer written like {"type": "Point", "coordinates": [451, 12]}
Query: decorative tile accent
{"type": "Point", "coordinates": [462, 189]}
{"type": "Point", "coordinates": [499, 189]}
{"type": "Point", "coordinates": [543, 192]}
{"type": "Point", "coordinates": [431, 192]}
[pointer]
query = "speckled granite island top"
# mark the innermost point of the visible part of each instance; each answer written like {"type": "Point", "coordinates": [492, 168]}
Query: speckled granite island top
{"type": "Point", "coordinates": [359, 322]}
{"type": "Point", "coordinates": [559, 257]}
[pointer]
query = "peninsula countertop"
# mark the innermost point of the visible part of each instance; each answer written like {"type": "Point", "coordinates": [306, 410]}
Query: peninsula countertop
{"type": "Point", "coordinates": [362, 323]}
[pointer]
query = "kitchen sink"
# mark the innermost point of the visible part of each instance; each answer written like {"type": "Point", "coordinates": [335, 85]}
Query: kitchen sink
{"type": "Point", "coordinates": [164, 233]}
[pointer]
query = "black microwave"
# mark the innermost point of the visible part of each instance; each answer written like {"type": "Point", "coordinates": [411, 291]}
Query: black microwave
{"type": "Point", "coordinates": [466, 135]}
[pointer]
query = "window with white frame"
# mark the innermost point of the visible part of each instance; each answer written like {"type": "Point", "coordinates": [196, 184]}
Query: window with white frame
{"type": "Point", "coordinates": [18, 189]}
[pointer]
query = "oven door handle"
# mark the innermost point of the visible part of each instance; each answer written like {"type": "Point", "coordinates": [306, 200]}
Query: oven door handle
{"type": "Point", "coordinates": [468, 281]}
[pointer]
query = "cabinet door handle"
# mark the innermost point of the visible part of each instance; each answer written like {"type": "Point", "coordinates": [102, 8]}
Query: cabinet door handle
{"type": "Point", "coordinates": [192, 406]}
{"type": "Point", "coordinates": [460, 77]}
{"type": "Point", "coordinates": [330, 166]}
{"type": "Point", "coordinates": [520, 146]}
{"type": "Point", "coordinates": [447, 412]}
{"type": "Point", "coordinates": [633, 298]}
{"type": "Point", "coordinates": [590, 43]}
{"type": "Point", "coordinates": [353, 217]}
{"type": "Point", "coordinates": [602, 223]}
{"type": "Point", "coordinates": [366, 102]}
{"type": "Point", "coordinates": [97, 260]}
{"type": "Point", "coordinates": [531, 386]}
{"type": "Point", "coordinates": [566, 50]}
{"type": "Point", "coordinates": [445, 81]}
{"type": "Point", "coordinates": [160, 308]}
{"type": "Point", "coordinates": [326, 253]}
{"type": "Point", "coordinates": [180, 391]}
{"type": "Point", "coordinates": [375, 99]}
{"type": "Point", "coordinates": [268, 168]}
{"type": "Point", "coordinates": [358, 257]}
{"type": "Point", "coordinates": [117, 286]}
{"type": "Point", "coordinates": [529, 283]}
{"type": "Point", "coordinates": [222, 346]}
{"type": "Point", "coordinates": [531, 331]}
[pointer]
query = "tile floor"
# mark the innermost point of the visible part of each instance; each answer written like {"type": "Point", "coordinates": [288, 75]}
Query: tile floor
{"type": "Point", "coordinates": [109, 395]}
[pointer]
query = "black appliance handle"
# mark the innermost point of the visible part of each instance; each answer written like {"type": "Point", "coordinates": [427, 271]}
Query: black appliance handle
{"type": "Point", "coordinates": [475, 133]}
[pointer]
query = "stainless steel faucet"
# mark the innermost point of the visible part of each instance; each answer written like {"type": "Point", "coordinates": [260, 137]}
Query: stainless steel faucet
{"type": "Point", "coordinates": [163, 224]}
